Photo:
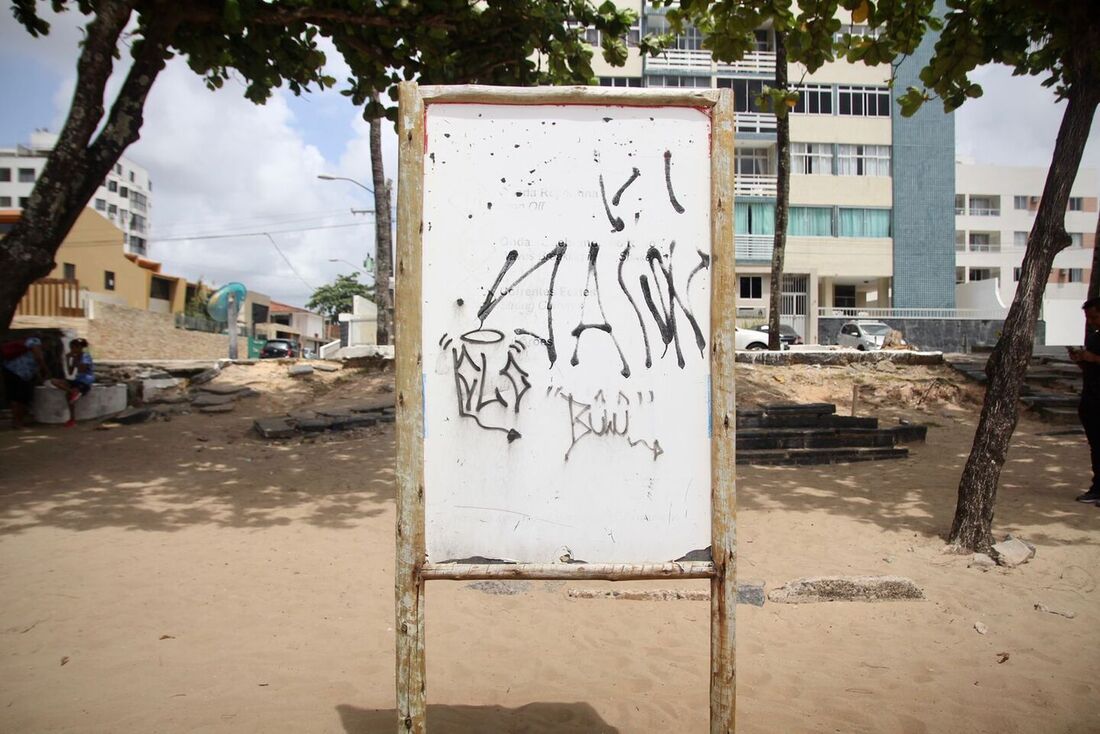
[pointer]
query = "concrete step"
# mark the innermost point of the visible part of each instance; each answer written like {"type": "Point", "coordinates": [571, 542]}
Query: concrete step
{"type": "Point", "coordinates": [1047, 400]}
{"type": "Point", "coordinates": [799, 408]}
{"type": "Point", "coordinates": [1065, 416]}
{"type": "Point", "coordinates": [796, 420]}
{"type": "Point", "coordinates": [797, 457]}
{"type": "Point", "coordinates": [813, 438]}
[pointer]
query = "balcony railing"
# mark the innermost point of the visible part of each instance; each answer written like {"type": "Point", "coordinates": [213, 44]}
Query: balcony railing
{"type": "Point", "coordinates": [981, 211]}
{"type": "Point", "coordinates": [985, 247]}
{"type": "Point", "coordinates": [910, 313]}
{"type": "Point", "coordinates": [754, 122]}
{"type": "Point", "coordinates": [754, 185]}
{"type": "Point", "coordinates": [677, 58]}
{"type": "Point", "coordinates": [753, 247]}
{"type": "Point", "coordinates": [755, 62]}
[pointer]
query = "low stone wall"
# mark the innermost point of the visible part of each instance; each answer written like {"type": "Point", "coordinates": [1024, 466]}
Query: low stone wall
{"type": "Point", "coordinates": [944, 335]}
{"type": "Point", "coordinates": [120, 332]}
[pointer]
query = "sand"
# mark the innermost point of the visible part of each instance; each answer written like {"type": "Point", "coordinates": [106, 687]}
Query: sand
{"type": "Point", "coordinates": [184, 576]}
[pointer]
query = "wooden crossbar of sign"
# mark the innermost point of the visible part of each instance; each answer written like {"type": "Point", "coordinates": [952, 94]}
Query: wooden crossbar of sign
{"type": "Point", "coordinates": [565, 325]}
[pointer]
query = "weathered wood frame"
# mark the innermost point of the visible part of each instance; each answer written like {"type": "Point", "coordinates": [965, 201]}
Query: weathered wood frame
{"type": "Point", "coordinates": [412, 570]}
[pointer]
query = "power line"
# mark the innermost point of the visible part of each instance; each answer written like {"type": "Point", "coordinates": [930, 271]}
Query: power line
{"type": "Point", "coordinates": [287, 260]}
{"type": "Point", "coordinates": [257, 234]}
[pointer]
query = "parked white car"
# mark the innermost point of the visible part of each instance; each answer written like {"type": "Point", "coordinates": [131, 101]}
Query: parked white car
{"type": "Point", "coordinates": [864, 335]}
{"type": "Point", "coordinates": [749, 339]}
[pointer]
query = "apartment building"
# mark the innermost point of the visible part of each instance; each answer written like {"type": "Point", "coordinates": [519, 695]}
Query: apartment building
{"type": "Point", "coordinates": [994, 212]}
{"type": "Point", "coordinates": [124, 197]}
{"type": "Point", "coordinates": [871, 192]}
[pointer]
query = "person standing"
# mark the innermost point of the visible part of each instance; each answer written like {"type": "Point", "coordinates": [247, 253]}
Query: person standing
{"type": "Point", "coordinates": [1088, 359]}
{"type": "Point", "coordinates": [23, 367]}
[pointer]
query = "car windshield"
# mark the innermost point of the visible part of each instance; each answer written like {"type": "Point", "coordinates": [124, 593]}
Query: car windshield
{"type": "Point", "coordinates": [876, 329]}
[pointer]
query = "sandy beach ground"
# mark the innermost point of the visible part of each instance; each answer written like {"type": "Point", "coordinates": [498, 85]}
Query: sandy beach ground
{"type": "Point", "coordinates": [186, 576]}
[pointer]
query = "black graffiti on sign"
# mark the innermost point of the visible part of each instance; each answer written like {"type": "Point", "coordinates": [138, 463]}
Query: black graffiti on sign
{"type": "Point", "coordinates": [596, 419]}
{"type": "Point", "coordinates": [474, 390]}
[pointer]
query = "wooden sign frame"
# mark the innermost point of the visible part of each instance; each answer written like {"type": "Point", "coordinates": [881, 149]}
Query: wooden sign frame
{"type": "Point", "coordinates": [412, 569]}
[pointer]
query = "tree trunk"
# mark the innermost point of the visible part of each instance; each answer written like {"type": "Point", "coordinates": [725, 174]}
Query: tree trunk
{"type": "Point", "coordinates": [75, 168]}
{"type": "Point", "coordinates": [1094, 277]}
{"type": "Point", "coordinates": [782, 194]}
{"type": "Point", "coordinates": [972, 526]}
{"type": "Point", "coordinates": [383, 257]}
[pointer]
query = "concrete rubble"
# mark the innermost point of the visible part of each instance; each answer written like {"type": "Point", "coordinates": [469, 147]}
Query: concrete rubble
{"type": "Point", "coordinates": [1012, 552]}
{"type": "Point", "coordinates": [846, 588]}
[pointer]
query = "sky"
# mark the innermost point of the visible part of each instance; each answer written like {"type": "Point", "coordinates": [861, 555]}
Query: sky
{"type": "Point", "coordinates": [221, 165]}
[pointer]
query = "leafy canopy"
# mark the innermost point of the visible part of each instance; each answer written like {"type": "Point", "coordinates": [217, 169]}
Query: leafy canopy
{"type": "Point", "coordinates": [269, 43]}
{"type": "Point", "coordinates": [1056, 39]}
{"type": "Point", "coordinates": [336, 297]}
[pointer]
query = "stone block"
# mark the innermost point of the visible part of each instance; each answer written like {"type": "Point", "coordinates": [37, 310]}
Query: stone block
{"type": "Point", "coordinates": [300, 370]}
{"type": "Point", "coordinates": [161, 389]}
{"type": "Point", "coordinates": [750, 592]}
{"type": "Point", "coordinates": [1012, 552]}
{"type": "Point", "coordinates": [368, 405]}
{"type": "Point", "coordinates": [326, 367]}
{"type": "Point", "coordinates": [224, 408]}
{"type": "Point", "coordinates": [846, 588]}
{"type": "Point", "coordinates": [312, 425]}
{"type": "Point", "coordinates": [207, 399]}
{"type": "Point", "coordinates": [358, 420]}
{"type": "Point", "coordinates": [51, 404]}
{"type": "Point", "coordinates": [205, 376]}
{"type": "Point", "coordinates": [223, 388]}
{"type": "Point", "coordinates": [274, 427]}
{"type": "Point", "coordinates": [131, 416]}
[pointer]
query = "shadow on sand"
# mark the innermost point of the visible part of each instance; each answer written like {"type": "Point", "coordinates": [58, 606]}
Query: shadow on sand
{"type": "Point", "coordinates": [534, 718]}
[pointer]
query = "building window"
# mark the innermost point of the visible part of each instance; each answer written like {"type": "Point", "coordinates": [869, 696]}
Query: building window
{"type": "Point", "coordinates": [960, 203]}
{"type": "Point", "coordinates": [5, 175]}
{"type": "Point", "coordinates": [864, 222]}
{"type": "Point", "coordinates": [984, 242]}
{"type": "Point", "coordinates": [960, 275]}
{"type": "Point", "coordinates": [863, 101]}
{"type": "Point", "coordinates": [5, 201]}
{"type": "Point", "coordinates": [112, 211]}
{"type": "Point", "coordinates": [1019, 239]}
{"type": "Point", "coordinates": [752, 286]}
{"type": "Point", "coordinates": [138, 200]}
{"type": "Point", "coordinates": [26, 175]}
{"type": "Point", "coordinates": [131, 176]}
{"type": "Point", "coordinates": [24, 201]}
{"type": "Point", "coordinates": [137, 223]}
{"type": "Point", "coordinates": [863, 160]}
{"type": "Point", "coordinates": [745, 92]}
{"type": "Point", "coordinates": [108, 280]}
{"type": "Point", "coordinates": [1076, 203]}
{"type": "Point", "coordinates": [960, 241]}
{"type": "Point", "coordinates": [811, 221]}
{"type": "Point", "coordinates": [1076, 239]}
{"type": "Point", "coordinates": [1019, 202]}
{"type": "Point", "coordinates": [1075, 275]}
{"type": "Point", "coordinates": [112, 186]}
{"type": "Point", "coordinates": [69, 271]}
{"type": "Point", "coordinates": [137, 245]}
{"type": "Point", "coordinates": [690, 39]}
{"type": "Point", "coordinates": [977, 274]}
{"type": "Point", "coordinates": [160, 289]}
{"type": "Point", "coordinates": [124, 192]}
{"type": "Point", "coordinates": [985, 206]}
{"type": "Point", "coordinates": [1016, 275]}
{"type": "Point", "coordinates": [752, 162]}
{"type": "Point", "coordinates": [100, 205]}
{"type": "Point", "coordinates": [844, 296]}
{"type": "Point", "coordinates": [754, 218]}
{"type": "Point", "coordinates": [678, 81]}
{"type": "Point", "coordinates": [607, 81]}
{"type": "Point", "coordinates": [812, 158]}
{"type": "Point", "coordinates": [814, 99]}
{"type": "Point", "coordinates": [856, 31]}
{"type": "Point", "coordinates": [118, 168]}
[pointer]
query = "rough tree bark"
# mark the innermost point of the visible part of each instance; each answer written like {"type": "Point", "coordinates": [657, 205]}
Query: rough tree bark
{"type": "Point", "coordinates": [972, 526]}
{"type": "Point", "coordinates": [78, 164]}
{"type": "Point", "coordinates": [782, 194]}
{"type": "Point", "coordinates": [383, 257]}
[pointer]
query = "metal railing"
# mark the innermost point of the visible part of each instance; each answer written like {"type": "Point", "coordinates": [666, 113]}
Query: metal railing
{"type": "Point", "coordinates": [199, 323]}
{"type": "Point", "coordinates": [910, 313]}
{"type": "Point", "coordinates": [754, 185]}
{"type": "Point", "coordinates": [51, 297]}
{"type": "Point", "coordinates": [981, 211]}
{"type": "Point", "coordinates": [678, 58]}
{"type": "Point", "coordinates": [755, 62]}
{"type": "Point", "coordinates": [753, 247]}
{"type": "Point", "coordinates": [754, 122]}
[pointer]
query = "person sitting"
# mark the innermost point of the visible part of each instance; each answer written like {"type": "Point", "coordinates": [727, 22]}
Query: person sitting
{"type": "Point", "coordinates": [23, 367]}
{"type": "Point", "coordinates": [78, 363]}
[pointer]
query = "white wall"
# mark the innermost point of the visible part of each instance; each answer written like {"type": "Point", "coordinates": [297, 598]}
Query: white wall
{"type": "Point", "coordinates": [1065, 322]}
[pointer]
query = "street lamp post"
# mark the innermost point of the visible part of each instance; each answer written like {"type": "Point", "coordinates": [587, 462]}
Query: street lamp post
{"type": "Point", "coordinates": [382, 259]}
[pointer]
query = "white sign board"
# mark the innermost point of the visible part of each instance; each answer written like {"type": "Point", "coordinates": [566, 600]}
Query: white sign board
{"type": "Point", "coordinates": [566, 332]}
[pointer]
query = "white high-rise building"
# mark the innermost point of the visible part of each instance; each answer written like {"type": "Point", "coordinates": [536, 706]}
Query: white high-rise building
{"type": "Point", "coordinates": [124, 197]}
